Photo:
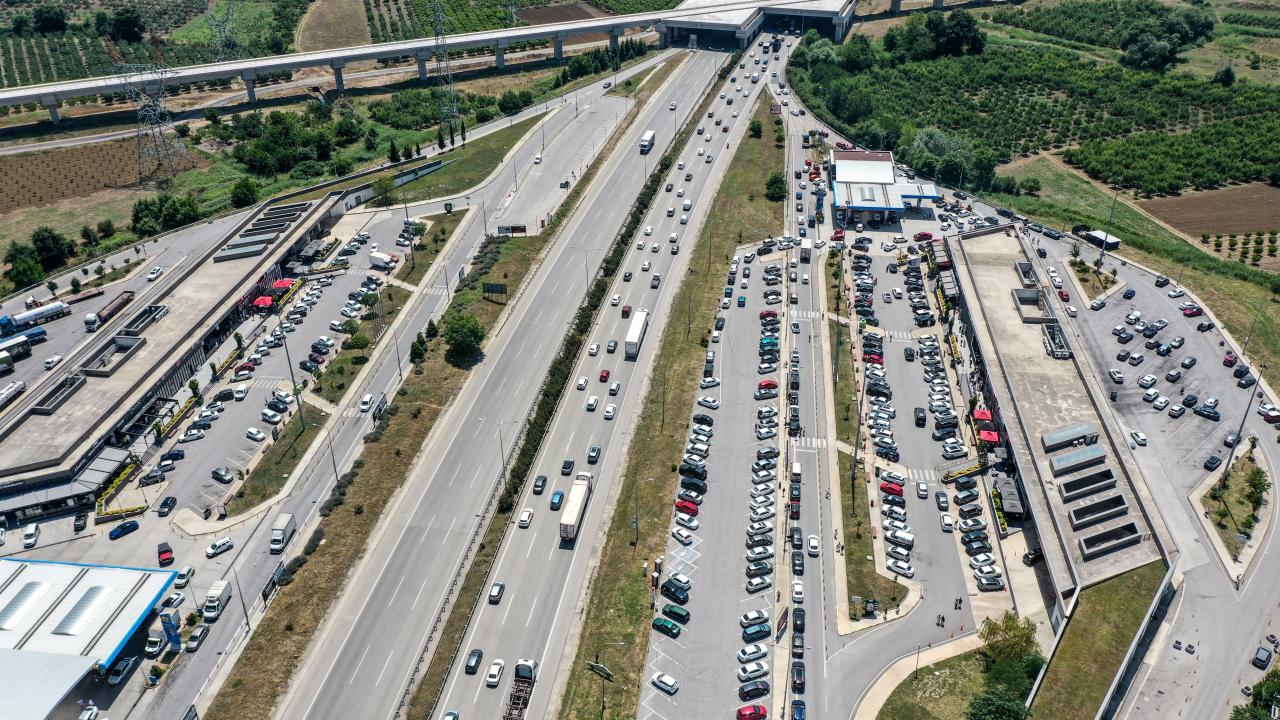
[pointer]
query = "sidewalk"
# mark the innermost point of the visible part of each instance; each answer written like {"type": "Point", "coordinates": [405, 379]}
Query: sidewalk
{"type": "Point", "coordinates": [876, 696]}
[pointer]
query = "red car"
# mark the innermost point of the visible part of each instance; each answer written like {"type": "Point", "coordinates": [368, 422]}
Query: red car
{"type": "Point", "coordinates": [808, 162]}
{"type": "Point", "coordinates": [768, 314]}
{"type": "Point", "coordinates": [604, 376]}
{"type": "Point", "coordinates": [247, 367]}
{"type": "Point", "coordinates": [843, 145]}
{"type": "Point", "coordinates": [752, 712]}
{"type": "Point", "coordinates": [626, 311]}
{"type": "Point", "coordinates": [838, 234]}
{"type": "Point", "coordinates": [1230, 359]}
{"type": "Point", "coordinates": [1192, 312]}
{"type": "Point", "coordinates": [686, 507]}
{"type": "Point", "coordinates": [795, 511]}
{"type": "Point", "coordinates": [889, 488]}
{"type": "Point", "coordinates": [1064, 296]}
{"type": "Point", "coordinates": [317, 358]}
{"type": "Point", "coordinates": [868, 357]}
{"type": "Point", "coordinates": [924, 236]}
{"type": "Point", "coordinates": [767, 385]}
{"type": "Point", "coordinates": [164, 554]}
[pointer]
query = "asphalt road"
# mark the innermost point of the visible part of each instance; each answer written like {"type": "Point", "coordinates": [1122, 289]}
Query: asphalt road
{"type": "Point", "coordinates": [1223, 622]}
{"type": "Point", "coordinates": [379, 626]}
{"type": "Point", "coordinates": [538, 588]}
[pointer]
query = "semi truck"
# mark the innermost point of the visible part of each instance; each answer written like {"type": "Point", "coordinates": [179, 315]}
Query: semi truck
{"type": "Point", "coordinates": [646, 141]}
{"type": "Point", "coordinates": [216, 601]}
{"type": "Point", "coordinates": [93, 321]}
{"type": "Point", "coordinates": [522, 681]}
{"type": "Point", "coordinates": [282, 532]}
{"type": "Point", "coordinates": [11, 393]}
{"type": "Point", "coordinates": [13, 324]}
{"type": "Point", "coordinates": [635, 333]}
{"type": "Point", "coordinates": [575, 508]}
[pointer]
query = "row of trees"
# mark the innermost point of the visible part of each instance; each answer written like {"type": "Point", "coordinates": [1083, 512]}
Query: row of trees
{"type": "Point", "coordinates": [935, 34]}
{"type": "Point", "coordinates": [152, 216]}
{"type": "Point", "coordinates": [124, 24]}
{"type": "Point", "coordinates": [600, 60]}
{"type": "Point", "coordinates": [1150, 32]}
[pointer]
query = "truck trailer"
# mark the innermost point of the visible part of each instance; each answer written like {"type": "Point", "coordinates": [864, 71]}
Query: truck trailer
{"type": "Point", "coordinates": [646, 141]}
{"type": "Point", "coordinates": [522, 681]}
{"type": "Point", "coordinates": [575, 507]}
{"type": "Point", "coordinates": [216, 601]}
{"type": "Point", "coordinates": [93, 321]}
{"type": "Point", "coordinates": [13, 324]}
{"type": "Point", "coordinates": [635, 333]}
{"type": "Point", "coordinates": [282, 532]}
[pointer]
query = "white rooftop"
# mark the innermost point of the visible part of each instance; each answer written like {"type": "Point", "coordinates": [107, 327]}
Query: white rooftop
{"type": "Point", "coordinates": [60, 620]}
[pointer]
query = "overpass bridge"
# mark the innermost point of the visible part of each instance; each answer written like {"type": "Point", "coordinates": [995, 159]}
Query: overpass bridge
{"type": "Point", "coordinates": [742, 18]}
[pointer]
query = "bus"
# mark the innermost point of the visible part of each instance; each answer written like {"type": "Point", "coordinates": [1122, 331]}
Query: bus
{"type": "Point", "coordinates": [806, 249]}
{"type": "Point", "coordinates": [18, 347]}
{"type": "Point", "coordinates": [646, 141]}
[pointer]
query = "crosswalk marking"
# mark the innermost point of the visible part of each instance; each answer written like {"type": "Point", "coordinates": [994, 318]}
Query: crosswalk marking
{"type": "Point", "coordinates": [810, 442]}
{"type": "Point", "coordinates": [927, 475]}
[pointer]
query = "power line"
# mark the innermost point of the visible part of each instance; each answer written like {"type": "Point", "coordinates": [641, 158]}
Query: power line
{"type": "Point", "coordinates": [159, 152]}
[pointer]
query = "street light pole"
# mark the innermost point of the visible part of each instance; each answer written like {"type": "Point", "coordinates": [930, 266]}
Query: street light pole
{"type": "Point", "coordinates": [296, 395]}
{"type": "Point", "coordinates": [1248, 406]}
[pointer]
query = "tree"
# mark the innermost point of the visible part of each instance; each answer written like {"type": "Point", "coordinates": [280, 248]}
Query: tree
{"type": "Point", "coordinates": [21, 23]}
{"type": "Point", "coordinates": [359, 341]}
{"type": "Point", "coordinates": [417, 149]}
{"type": "Point", "coordinates": [52, 285]}
{"type": "Point", "coordinates": [1075, 251]}
{"type": "Point", "coordinates": [432, 331]}
{"type": "Point", "coordinates": [24, 265]}
{"type": "Point", "coordinates": [383, 192]}
{"type": "Point", "coordinates": [1007, 638]}
{"type": "Point", "coordinates": [757, 128]}
{"type": "Point", "coordinates": [106, 229]}
{"type": "Point", "coordinates": [88, 236]}
{"type": "Point", "coordinates": [463, 335]}
{"type": "Point", "coordinates": [194, 386]}
{"type": "Point", "coordinates": [244, 193]}
{"type": "Point", "coordinates": [1147, 52]}
{"type": "Point", "coordinates": [49, 18]}
{"type": "Point", "coordinates": [775, 188]}
{"type": "Point", "coordinates": [52, 248]}
{"type": "Point", "coordinates": [393, 153]}
{"type": "Point", "coordinates": [452, 140]}
{"type": "Point", "coordinates": [462, 127]}
{"type": "Point", "coordinates": [857, 54]}
{"type": "Point", "coordinates": [212, 117]}
{"type": "Point", "coordinates": [1030, 185]}
{"type": "Point", "coordinates": [997, 703]}
{"type": "Point", "coordinates": [1226, 77]}
{"type": "Point", "coordinates": [127, 25]}
{"type": "Point", "coordinates": [75, 285]}
{"type": "Point", "coordinates": [239, 341]}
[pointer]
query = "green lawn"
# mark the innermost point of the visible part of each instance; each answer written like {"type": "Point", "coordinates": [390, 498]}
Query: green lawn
{"type": "Point", "coordinates": [279, 462]}
{"type": "Point", "coordinates": [1230, 510]}
{"type": "Point", "coordinates": [441, 227]}
{"type": "Point", "coordinates": [861, 578]}
{"type": "Point", "coordinates": [1237, 296]}
{"type": "Point", "coordinates": [628, 87]}
{"type": "Point", "coordinates": [938, 692]}
{"type": "Point", "coordinates": [343, 369]}
{"type": "Point", "coordinates": [846, 401]}
{"type": "Point", "coordinates": [470, 165]}
{"type": "Point", "coordinates": [1101, 629]}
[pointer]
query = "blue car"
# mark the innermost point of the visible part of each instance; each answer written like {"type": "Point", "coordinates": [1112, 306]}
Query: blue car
{"type": "Point", "coordinates": [123, 529]}
{"type": "Point", "coordinates": [797, 710]}
{"type": "Point", "coordinates": [742, 301]}
{"type": "Point", "coordinates": [557, 499]}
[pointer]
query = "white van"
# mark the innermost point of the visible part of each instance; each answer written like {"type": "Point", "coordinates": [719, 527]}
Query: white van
{"type": "Point", "coordinates": [795, 472]}
{"type": "Point", "coordinates": [901, 538]}
{"type": "Point", "coordinates": [366, 402]}
{"type": "Point", "coordinates": [242, 391]}
{"type": "Point", "coordinates": [688, 205]}
{"type": "Point", "coordinates": [537, 159]}
{"type": "Point", "coordinates": [30, 535]}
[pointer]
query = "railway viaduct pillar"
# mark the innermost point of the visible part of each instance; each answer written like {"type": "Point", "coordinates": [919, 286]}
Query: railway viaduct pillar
{"type": "Point", "coordinates": [337, 66]}
{"type": "Point", "coordinates": [250, 90]}
{"type": "Point", "coordinates": [50, 103]}
{"type": "Point", "coordinates": [422, 65]}
{"type": "Point", "coordinates": [500, 54]}
{"type": "Point", "coordinates": [614, 34]}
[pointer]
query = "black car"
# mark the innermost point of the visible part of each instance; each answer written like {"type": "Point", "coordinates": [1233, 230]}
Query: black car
{"type": "Point", "coordinates": [593, 455]}
{"type": "Point", "coordinates": [797, 645]}
{"type": "Point", "coordinates": [896, 500]}
{"type": "Point", "coordinates": [797, 538]}
{"type": "Point", "coordinates": [1213, 461]}
{"type": "Point", "coordinates": [766, 453]}
{"type": "Point", "coordinates": [797, 620]}
{"type": "Point", "coordinates": [795, 491]}
{"type": "Point", "coordinates": [977, 548]}
{"type": "Point", "coordinates": [964, 497]}
{"type": "Point", "coordinates": [758, 568]}
{"type": "Point", "coordinates": [1190, 400]}
{"type": "Point", "coordinates": [1204, 326]}
{"type": "Point", "coordinates": [566, 467]}
{"type": "Point", "coordinates": [539, 484]}
{"type": "Point", "coordinates": [81, 522]}
{"type": "Point", "coordinates": [759, 540]}
{"type": "Point", "coordinates": [1123, 354]}
{"type": "Point", "coordinates": [153, 476]}
{"type": "Point", "coordinates": [693, 471]}
{"type": "Point", "coordinates": [1129, 294]}
{"type": "Point", "coordinates": [940, 498]}
{"type": "Point", "coordinates": [701, 419]}
{"type": "Point", "coordinates": [674, 593]}
{"type": "Point", "coordinates": [167, 505]}
{"type": "Point", "coordinates": [626, 277]}
{"type": "Point", "coordinates": [920, 417]}
{"type": "Point", "coordinates": [943, 433]}
{"type": "Point", "coordinates": [797, 676]}
{"type": "Point", "coordinates": [1032, 556]}
{"type": "Point", "coordinates": [889, 454]}
{"type": "Point", "coordinates": [1208, 413]}
{"type": "Point", "coordinates": [797, 563]}
{"type": "Point", "coordinates": [308, 366]}
{"type": "Point", "coordinates": [278, 406]}
{"type": "Point", "coordinates": [174, 454]}
{"type": "Point", "coordinates": [473, 661]}
{"type": "Point", "coordinates": [753, 690]}
{"type": "Point", "coordinates": [974, 536]}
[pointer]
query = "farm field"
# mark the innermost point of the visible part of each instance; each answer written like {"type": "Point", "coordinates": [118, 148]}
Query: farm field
{"type": "Point", "coordinates": [1239, 209]}
{"type": "Point", "coordinates": [248, 18]}
{"type": "Point", "coordinates": [67, 216]}
{"type": "Point", "coordinates": [42, 178]}
{"type": "Point", "coordinates": [392, 20]}
{"type": "Point", "coordinates": [333, 24]}
{"type": "Point", "coordinates": [544, 14]}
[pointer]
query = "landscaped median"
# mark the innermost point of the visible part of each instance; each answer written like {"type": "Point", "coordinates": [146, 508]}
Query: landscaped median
{"type": "Point", "coordinates": [279, 461]}
{"type": "Point", "coordinates": [1103, 625]}
{"type": "Point", "coordinates": [616, 624]}
{"type": "Point", "coordinates": [1233, 505]}
{"type": "Point", "coordinates": [342, 370]}
{"type": "Point", "coordinates": [861, 578]}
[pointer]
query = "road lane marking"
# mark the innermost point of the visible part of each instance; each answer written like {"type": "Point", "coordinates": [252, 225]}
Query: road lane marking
{"type": "Point", "coordinates": [384, 669]}
{"type": "Point", "coordinates": [356, 672]}
{"type": "Point", "coordinates": [531, 609]}
{"type": "Point", "coordinates": [394, 592]}
{"type": "Point", "coordinates": [474, 477]}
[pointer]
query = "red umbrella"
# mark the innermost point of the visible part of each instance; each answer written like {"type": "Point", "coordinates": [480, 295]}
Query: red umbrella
{"type": "Point", "coordinates": [263, 301]}
{"type": "Point", "coordinates": [283, 284]}
{"type": "Point", "coordinates": [989, 436]}
{"type": "Point", "coordinates": [981, 414]}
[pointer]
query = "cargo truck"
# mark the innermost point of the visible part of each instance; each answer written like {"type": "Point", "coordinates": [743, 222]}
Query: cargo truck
{"type": "Point", "coordinates": [282, 532]}
{"type": "Point", "coordinates": [635, 333]}
{"type": "Point", "coordinates": [216, 601]}
{"type": "Point", "coordinates": [575, 508]}
{"type": "Point", "coordinates": [92, 321]}
{"type": "Point", "coordinates": [522, 681]}
{"type": "Point", "coordinates": [381, 261]}
{"type": "Point", "coordinates": [646, 141]}
{"type": "Point", "coordinates": [13, 324]}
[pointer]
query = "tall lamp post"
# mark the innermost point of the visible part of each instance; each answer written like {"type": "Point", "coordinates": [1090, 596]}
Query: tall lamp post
{"type": "Point", "coordinates": [1248, 406]}
{"type": "Point", "coordinates": [502, 446]}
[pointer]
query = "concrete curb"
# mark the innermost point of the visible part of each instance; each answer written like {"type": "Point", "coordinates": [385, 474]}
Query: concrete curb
{"type": "Point", "coordinates": [1230, 565]}
{"type": "Point", "coordinates": [894, 675]}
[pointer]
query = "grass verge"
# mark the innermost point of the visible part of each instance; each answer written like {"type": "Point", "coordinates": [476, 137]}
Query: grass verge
{"type": "Point", "coordinates": [1234, 514]}
{"type": "Point", "coordinates": [440, 228]}
{"type": "Point", "coordinates": [628, 87]}
{"type": "Point", "coordinates": [861, 578]}
{"type": "Point", "coordinates": [617, 617]}
{"type": "Point", "coordinates": [1237, 295]}
{"type": "Point", "coordinates": [938, 692]}
{"type": "Point", "coordinates": [1095, 283]}
{"type": "Point", "coordinates": [271, 472]}
{"type": "Point", "coordinates": [846, 400]}
{"type": "Point", "coordinates": [274, 650]}
{"type": "Point", "coordinates": [1099, 635]}
{"type": "Point", "coordinates": [471, 164]}
{"type": "Point", "coordinates": [331, 383]}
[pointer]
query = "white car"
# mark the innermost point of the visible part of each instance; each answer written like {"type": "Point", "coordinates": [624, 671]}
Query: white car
{"type": "Point", "coordinates": [971, 524]}
{"type": "Point", "coordinates": [760, 528]}
{"type": "Point", "coordinates": [271, 416]}
{"type": "Point", "coordinates": [710, 382]}
{"type": "Point", "coordinates": [672, 106]}
{"type": "Point", "coordinates": [751, 652]}
{"type": "Point", "coordinates": [1176, 293]}
{"type": "Point", "coordinates": [191, 435]}
{"type": "Point", "coordinates": [922, 489]}
{"type": "Point", "coordinates": [644, 266]}
{"type": "Point", "coordinates": [682, 536]}
{"type": "Point", "coordinates": [762, 513]}
{"type": "Point", "coordinates": [766, 433]}
{"type": "Point", "coordinates": [948, 523]}
{"type": "Point", "coordinates": [756, 554]}
{"type": "Point", "coordinates": [753, 617]}
{"type": "Point", "coordinates": [982, 560]}
{"type": "Point", "coordinates": [813, 546]}
{"type": "Point", "coordinates": [987, 571]}
{"type": "Point", "coordinates": [218, 547]}
{"type": "Point", "coordinates": [797, 592]}
{"type": "Point", "coordinates": [155, 273]}
{"type": "Point", "coordinates": [752, 671]}
{"type": "Point", "coordinates": [593, 349]}
{"type": "Point", "coordinates": [680, 580]}
{"type": "Point", "coordinates": [1139, 438]}
{"type": "Point", "coordinates": [53, 361]}
{"type": "Point", "coordinates": [526, 517]}
{"type": "Point", "coordinates": [350, 312]}
{"type": "Point", "coordinates": [494, 675]}
{"type": "Point", "coordinates": [687, 521]}
{"type": "Point", "coordinates": [899, 567]}
{"type": "Point", "coordinates": [892, 525]}
{"type": "Point", "coordinates": [665, 683]}
{"type": "Point", "coordinates": [582, 383]}
{"type": "Point", "coordinates": [648, 229]}
{"type": "Point", "coordinates": [121, 670]}
{"type": "Point", "coordinates": [255, 434]}
{"type": "Point", "coordinates": [610, 411]}
{"type": "Point", "coordinates": [592, 402]}
{"type": "Point", "coordinates": [288, 327]}
{"type": "Point", "coordinates": [707, 401]}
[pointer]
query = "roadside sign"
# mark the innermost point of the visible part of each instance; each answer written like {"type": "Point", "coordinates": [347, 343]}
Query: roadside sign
{"type": "Point", "coordinates": [167, 621]}
{"type": "Point", "coordinates": [448, 208]}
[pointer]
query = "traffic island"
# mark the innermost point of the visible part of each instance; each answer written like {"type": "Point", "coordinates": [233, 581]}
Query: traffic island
{"type": "Point", "coordinates": [1236, 509]}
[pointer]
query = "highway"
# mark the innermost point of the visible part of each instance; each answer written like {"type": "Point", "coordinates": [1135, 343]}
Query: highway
{"type": "Point", "coordinates": [379, 626]}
